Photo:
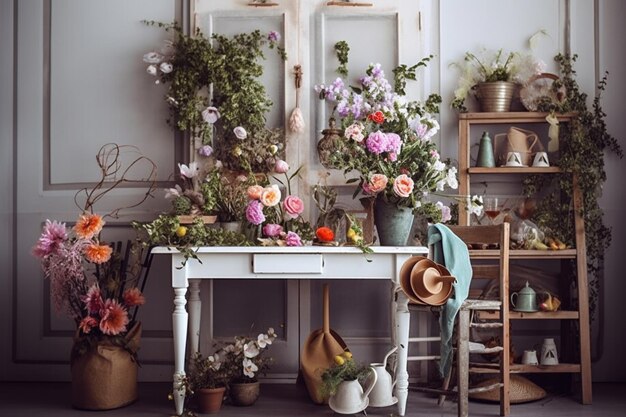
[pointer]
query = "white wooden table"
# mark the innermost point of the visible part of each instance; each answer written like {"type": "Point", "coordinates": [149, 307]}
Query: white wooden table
{"type": "Point", "coordinates": [308, 262]}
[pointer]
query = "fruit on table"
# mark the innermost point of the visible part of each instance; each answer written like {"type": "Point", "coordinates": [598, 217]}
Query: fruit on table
{"type": "Point", "coordinates": [181, 231]}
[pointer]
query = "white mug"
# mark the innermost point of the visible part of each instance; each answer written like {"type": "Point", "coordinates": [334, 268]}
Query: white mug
{"type": "Point", "coordinates": [514, 159]}
{"type": "Point", "coordinates": [530, 357]}
{"type": "Point", "coordinates": [541, 160]}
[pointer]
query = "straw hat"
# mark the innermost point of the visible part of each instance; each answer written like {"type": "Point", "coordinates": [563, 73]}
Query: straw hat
{"type": "Point", "coordinates": [522, 390]}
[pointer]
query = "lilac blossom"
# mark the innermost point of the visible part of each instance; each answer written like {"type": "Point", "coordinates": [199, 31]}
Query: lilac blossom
{"type": "Point", "coordinates": [273, 36]}
{"type": "Point", "coordinates": [377, 142]}
{"type": "Point", "coordinates": [51, 239]}
{"type": "Point", "coordinates": [446, 215]}
{"type": "Point", "coordinates": [272, 230]}
{"type": "Point", "coordinates": [292, 239]}
{"type": "Point", "coordinates": [205, 150]}
{"type": "Point", "coordinates": [254, 212]}
{"type": "Point", "coordinates": [394, 143]}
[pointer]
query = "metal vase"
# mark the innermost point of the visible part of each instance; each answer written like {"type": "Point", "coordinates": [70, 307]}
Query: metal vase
{"type": "Point", "coordinates": [495, 96]}
{"type": "Point", "coordinates": [393, 223]}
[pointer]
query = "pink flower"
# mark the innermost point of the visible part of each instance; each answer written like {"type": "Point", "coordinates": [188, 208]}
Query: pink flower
{"type": "Point", "coordinates": [254, 192]}
{"type": "Point", "coordinates": [292, 239]}
{"type": "Point", "coordinates": [273, 36]}
{"type": "Point", "coordinates": [240, 133]}
{"type": "Point", "coordinates": [52, 237]}
{"type": "Point", "coordinates": [113, 318]}
{"type": "Point", "coordinates": [210, 115]}
{"type": "Point", "coordinates": [376, 184]}
{"type": "Point", "coordinates": [87, 324]}
{"type": "Point", "coordinates": [446, 215]}
{"type": "Point", "coordinates": [205, 150]}
{"type": "Point", "coordinates": [254, 212]}
{"type": "Point", "coordinates": [272, 230]}
{"type": "Point", "coordinates": [377, 142]}
{"type": "Point", "coordinates": [133, 297]}
{"type": "Point", "coordinates": [293, 206]}
{"type": "Point", "coordinates": [270, 196]}
{"type": "Point", "coordinates": [354, 132]}
{"type": "Point", "coordinates": [281, 166]}
{"type": "Point", "coordinates": [394, 143]}
{"type": "Point", "coordinates": [403, 185]}
{"type": "Point", "coordinates": [93, 300]}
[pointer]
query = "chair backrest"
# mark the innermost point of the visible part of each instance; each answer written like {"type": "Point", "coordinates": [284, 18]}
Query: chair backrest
{"type": "Point", "coordinates": [486, 238]}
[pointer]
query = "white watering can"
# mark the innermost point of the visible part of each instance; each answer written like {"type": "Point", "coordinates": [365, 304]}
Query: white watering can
{"type": "Point", "coordinates": [350, 398]}
{"type": "Point", "coordinates": [382, 393]}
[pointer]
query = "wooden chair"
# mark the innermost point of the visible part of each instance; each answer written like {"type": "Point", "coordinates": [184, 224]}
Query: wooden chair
{"type": "Point", "coordinates": [479, 314]}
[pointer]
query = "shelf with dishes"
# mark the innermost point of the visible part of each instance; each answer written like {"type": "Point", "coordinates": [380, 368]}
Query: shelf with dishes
{"type": "Point", "coordinates": [514, 170]}
{"type": "Point", "coordinates": [525, 254]}
{"type": "Point", "coordinates": [536, 315]}
{"type": "Point", "coordinates": [518, 368]}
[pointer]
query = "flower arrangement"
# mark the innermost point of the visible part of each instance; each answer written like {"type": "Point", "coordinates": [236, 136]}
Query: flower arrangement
{"type": "Point", "coordinates": [90, 280]}
{"type": "Point", "coordinates": [387, 139]}
{"type": "Point", "coordinates": [245, 358]}
{"type": "Point", "coordinates": [490, 66]}
{"type": "Point", "coordinates": [345, 368]}
{"type": "Point", "coordinates": [231, 122]}
{"type": "Point", "coordinates": [280, 219]}
{"type": "Point", "coordinates": [193, 195]}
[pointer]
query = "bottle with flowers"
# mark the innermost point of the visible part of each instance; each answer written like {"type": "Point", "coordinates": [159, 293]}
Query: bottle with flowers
{"type": "Point", "coordinates": [98, 285]}
{"type": "Point", "coordinates": [387, 143]}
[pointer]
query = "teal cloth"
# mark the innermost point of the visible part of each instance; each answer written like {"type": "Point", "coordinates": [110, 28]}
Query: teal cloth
{"type": "Point", "coordinates": [449, 250]}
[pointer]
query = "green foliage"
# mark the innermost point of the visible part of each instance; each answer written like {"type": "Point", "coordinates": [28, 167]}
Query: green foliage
{"type": "Point", "coordinates": [342, 49]}
{"type": "Point", "coordinates": [345, 368]}
{"type": "Point", "coordinates": [403, 72]}
{"type": "Point", "coordinates": [206, 372]}
{"type": "Point", "coordinates": [181, 205]}
{"type": "Point", "coordinates": [584, 142]}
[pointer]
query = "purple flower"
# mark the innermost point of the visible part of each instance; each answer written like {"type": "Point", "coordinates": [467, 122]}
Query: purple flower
{"type": "Point", "coordinates": [52, 237]}
{"type": "Point", "coordinates": [254, 212]}
{"type": "Point", "coordinates": [205, 150]}
{"type": "Point", "coordinates": [273, 36]}
{"type": "Point", "coordinates": [272, 230]}
{"type": "Point", "coordinates": [292, 239]}
{"type": "Point", "coordinates": [395, 143]}
{"type": "Point", "coordinates": [377, 142]}
{"type": "Point", "coordinates": [377, 71]}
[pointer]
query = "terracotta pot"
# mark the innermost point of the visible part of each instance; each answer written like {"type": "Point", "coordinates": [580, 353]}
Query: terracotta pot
{"type": "Point", "coordinates": [244, 394]}
{"type": "Point", "coordinates": [209, 400]}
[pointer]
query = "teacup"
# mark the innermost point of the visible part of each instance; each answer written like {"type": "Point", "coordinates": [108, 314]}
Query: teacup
{"type": "Point", "coordinates": [541, 160]}
{"type": "Point", "coordinates": [514, 159]}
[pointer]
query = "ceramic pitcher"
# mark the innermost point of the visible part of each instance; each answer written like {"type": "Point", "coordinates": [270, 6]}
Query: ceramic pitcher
{"type": "Point", "coordinates": [381, 394]}
{"type": "Point", "coordinates": [548, 352]}
{"type": "Point", "coordinates": [350, 398]}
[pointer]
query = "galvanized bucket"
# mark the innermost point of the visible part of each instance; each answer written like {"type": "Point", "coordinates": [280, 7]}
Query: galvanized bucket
{"type": "Point", "coordinates": [495, 96]}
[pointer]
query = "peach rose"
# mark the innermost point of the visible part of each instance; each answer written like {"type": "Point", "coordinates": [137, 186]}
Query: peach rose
{"type": "Point", "coordinates": [376, 184]}
{"type": "Point", "coordinates": [270, 196]}
{"type": "Point", "coordinates": [254, 192]}
{"type": "Point", "coordinates": [403, 185]}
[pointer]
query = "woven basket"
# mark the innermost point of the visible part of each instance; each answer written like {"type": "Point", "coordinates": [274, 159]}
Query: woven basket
{"type": "Point", "coordinates": [522, 391]}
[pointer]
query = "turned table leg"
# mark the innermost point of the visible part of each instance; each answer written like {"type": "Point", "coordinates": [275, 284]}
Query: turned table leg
{"type": "Point", "coordinates": [402, 340]}
{"type": "Point", "coordinates": [179, 325]}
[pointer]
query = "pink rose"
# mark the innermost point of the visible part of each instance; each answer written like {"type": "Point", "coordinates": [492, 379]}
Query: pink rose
{"type": "Point", "coordinates": [254, 192]}
{"type": "Point", "coordinates": [293, 206]}
{"type": "Point", "coordinates": [376, 184]}
{"type": "Point", "coordinates": [272, 230]}
{"type": "Point", "coordinates": [270, 196]}
{"type": "Point", "coordinates": [281, 166]}
{"type": "Point", "coordinates": [403, 185]}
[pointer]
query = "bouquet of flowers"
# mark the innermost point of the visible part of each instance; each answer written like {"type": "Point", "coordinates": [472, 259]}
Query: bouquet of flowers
{"type": "Point", "coordinates": [280, 220]}
{"type": "Point", "coordinates": [387, 139]}
{"type": "Point", "coordinates": [245, 358]}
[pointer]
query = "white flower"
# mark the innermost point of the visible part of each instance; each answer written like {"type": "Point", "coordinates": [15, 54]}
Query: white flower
{"type": "Point", "coordinates": [171, 100]}
{"type": "Point", "coordinates": [475, 205]}
{"type": "Point", "coordinates": [210, 114]}
{"type": "Point", "coordinates": [188, 171]}
{"type": "Point", "coordinates": [446, 215]}
{"type": "Point", "coordinates": [166, 67]}
{"type": "Point", "coordinates": [249, 368]}
{"type": "Point", "coordinates": [451, 178]}
{"type": "Point", "coordinates": [152, 70]}
{"type": "Point", "coordinates": [441, 184]}
{"type": "Point", "coordinates": [271, 333]}
{"type": "Point", "coordinates": [439, 166]}
{"type": "Point", "coordinates": [240, 133]}
{"type": "Point", "coordinates": [250, 350]}
{"type": "Point", "coordinates": [218, 164]}
{"type": "Point", "coordinates": [171, 193]}
{"type": "Point", "coordinates": [152, 58]}
{"type": "Point", "coordinates": [263, 340]}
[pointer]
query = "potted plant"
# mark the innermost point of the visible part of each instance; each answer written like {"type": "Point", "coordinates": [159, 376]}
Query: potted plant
{"type": "Point", "coordinates": [493, 78]}
{"type": "Point", "coordinates": [244, 360]}
{"type": "Point", "coordinates": [207, 380]}
{"type": "Point", "coordinates": [194, 196]}
{"type": "Point", "coordinates": [343, 382]}
{"type": "Point", "coordinates": [99, 285]}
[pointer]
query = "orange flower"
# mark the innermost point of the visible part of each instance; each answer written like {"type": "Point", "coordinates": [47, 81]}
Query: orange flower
{"type": "Point", "coordinates": [270, 196]}
{"type": "Point", "coordinates": [87, 324]}
{"type": "Point", "coordinates": [325, 234]}
{"type": "Point", "coordinates": [88, 225]}
{"type": "Point", "coordinates": [98, 254]}
{"type": "Point", "coordinates": [254, 192]}
{"type": "Point", "coordinates": [133, 297]}
{"type": "Point", "coordinates": [114, 318]}
{"type": "Point", "coordinates": [377, 117]}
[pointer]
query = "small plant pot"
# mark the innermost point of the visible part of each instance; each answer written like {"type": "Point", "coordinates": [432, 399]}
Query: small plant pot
{"type": "Point", "coordinates": [244, 394]}
{"type": "Point", "coordinates": [209, 400]}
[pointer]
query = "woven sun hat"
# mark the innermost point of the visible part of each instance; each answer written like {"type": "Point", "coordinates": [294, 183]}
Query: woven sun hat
{"type": "Point", "coordinates": [522, 390]}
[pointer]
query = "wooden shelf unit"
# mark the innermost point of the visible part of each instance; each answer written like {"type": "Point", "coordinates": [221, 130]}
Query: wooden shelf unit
{"type": "Point", "coordinates": [581, 315]}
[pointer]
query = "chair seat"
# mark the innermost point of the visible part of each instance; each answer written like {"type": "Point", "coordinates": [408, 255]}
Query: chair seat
{"type": "Point", "coordinates": [473, 304]}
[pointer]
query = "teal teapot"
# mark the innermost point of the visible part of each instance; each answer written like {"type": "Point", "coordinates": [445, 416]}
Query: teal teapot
{"type": "Point", "coordinates": [525, 300]}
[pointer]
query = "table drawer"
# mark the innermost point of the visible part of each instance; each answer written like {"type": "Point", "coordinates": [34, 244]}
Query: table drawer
{"type": "Point", "coordinates": [312, 263]}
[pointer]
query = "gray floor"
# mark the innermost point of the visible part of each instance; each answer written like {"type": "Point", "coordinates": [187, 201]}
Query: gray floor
{"type": "Point", "coordinates": [52, 400]}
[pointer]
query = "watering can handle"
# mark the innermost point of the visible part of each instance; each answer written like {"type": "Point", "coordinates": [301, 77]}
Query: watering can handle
{"type": "Point", "coordinates": [372, 383]}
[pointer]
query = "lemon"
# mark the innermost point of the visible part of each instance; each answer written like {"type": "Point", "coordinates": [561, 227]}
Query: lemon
{"type": "Point", "coordinates": [181, 231]}
{"type": "Point", "coordinates": [347, 355]}
{"type": "Point", "coordinates": [339, 360]}
{"type": "Point", "coordinates": [350, 234]}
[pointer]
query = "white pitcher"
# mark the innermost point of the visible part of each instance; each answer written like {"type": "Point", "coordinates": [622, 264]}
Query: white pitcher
{"type": "Point", "coordinates": [548, 352]}
{"type": "Point", "coordinates": [382, 393]}
{"type": "Point", "coordinates": [350, 398]}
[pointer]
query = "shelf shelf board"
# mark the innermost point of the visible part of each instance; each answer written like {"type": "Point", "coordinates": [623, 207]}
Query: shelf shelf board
{"type": "Point", "coordinates": [527, 369]}
{"type": "Point", "coordinates": [514, 170]}
{"type": "Point", "coordinates": [538, 315]}
{"type": "Point", "coordinates": [524, 254]}
{"type": "Point", "coordinates": [511, 117]}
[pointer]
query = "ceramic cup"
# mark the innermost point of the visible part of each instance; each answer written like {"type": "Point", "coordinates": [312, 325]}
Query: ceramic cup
{"type": "Point", "coordinates": [541, 160]}
{"type": "Point", "coordinates": [514, 159]}
{"type": "Point", "coordinates": [530, 357]}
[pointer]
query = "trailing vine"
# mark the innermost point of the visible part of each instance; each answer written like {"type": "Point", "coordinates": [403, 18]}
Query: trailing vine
{"type": "Point", "coordinates": [584, 142]}
{"type": "Point", "coordinates": [342, 49]}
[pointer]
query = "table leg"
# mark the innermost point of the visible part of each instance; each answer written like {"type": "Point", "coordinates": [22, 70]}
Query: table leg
{"type": "Point", "coordinates": [195, 309]}
{"type": "Point", "coordinates": [179, 325]}
{"type": "Point", "coordinates": [402, 337]}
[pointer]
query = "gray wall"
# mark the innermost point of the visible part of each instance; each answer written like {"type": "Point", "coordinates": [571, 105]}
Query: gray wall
{"type": "Point", "coordinates": [71, 79]}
